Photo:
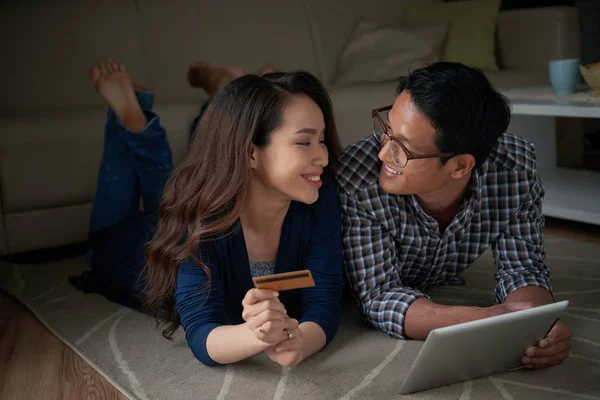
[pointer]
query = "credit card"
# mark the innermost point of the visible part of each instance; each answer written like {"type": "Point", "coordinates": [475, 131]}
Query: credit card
{"type": "Point", "coordinates": [285, 281]}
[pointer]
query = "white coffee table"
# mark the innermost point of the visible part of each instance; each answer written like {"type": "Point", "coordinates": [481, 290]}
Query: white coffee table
{"type": "Point", "coordinates": [570, 194]}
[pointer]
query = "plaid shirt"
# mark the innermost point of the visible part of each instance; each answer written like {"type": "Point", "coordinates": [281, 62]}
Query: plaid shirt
{"type": "Point", "coordinates": [393, 249]}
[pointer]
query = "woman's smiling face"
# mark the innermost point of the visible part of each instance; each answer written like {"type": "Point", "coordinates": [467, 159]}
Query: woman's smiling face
{"type": "Point", "coordinates": [292, 163]}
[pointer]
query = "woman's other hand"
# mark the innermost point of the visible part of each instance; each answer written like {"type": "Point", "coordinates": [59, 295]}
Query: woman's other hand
{"type": "Point", "coordinates": [266, 316]}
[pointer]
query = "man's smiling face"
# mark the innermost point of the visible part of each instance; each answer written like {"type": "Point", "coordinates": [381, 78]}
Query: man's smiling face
{"type": "Point", "coordinates": [415, 131]}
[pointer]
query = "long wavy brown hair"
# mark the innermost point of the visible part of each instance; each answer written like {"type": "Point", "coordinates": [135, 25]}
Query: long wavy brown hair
{"type": "Point", "coordinates": [206, 194]}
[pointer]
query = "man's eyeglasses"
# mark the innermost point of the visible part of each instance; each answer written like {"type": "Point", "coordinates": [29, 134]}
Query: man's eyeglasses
{"type": "Point", "coordinates": [400, 154]}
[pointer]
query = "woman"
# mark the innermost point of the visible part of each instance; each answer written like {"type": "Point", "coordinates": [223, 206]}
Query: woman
{"type": "Point", "coordinates": [248, 200]}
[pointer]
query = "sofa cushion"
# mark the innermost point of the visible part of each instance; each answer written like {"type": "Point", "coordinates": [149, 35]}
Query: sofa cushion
{"type": "Point", "coordinates": [47, 175]}
{"type": "Point", "coordinates": [223, 32]}
{"type": "Point", "coordinates": [332, 21]}
{"type": "Point", "coordinates": [377, 53]}
{"type": "Point", "coordinates": [44, 228]}
{"type": "Point", "coordinates": [471, 37]}
{"type": "Point", "coordinates": [48, 47]}
{"type": "Point", "coordinates": [51, 160]}
{"type": "Point", "coordinates": [353, 105]}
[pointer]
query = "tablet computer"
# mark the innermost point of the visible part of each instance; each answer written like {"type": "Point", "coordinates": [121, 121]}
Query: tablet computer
{"type": "Point", "coordinates": [479, 348]}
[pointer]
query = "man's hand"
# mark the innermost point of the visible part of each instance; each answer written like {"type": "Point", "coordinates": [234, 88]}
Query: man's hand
{"type": "Point", "coordinates": [290, 351]}
{"type": "Point", "coordinates": [551, 350]}
{"type": "Point", "coordinates": [266, 316]}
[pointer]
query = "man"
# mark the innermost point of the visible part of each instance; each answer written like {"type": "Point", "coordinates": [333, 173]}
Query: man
{"type": "Point", "coordinates": [437, 184]}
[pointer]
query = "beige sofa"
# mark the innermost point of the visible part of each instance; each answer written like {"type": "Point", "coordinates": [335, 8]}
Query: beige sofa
{"type": "Point", "coordinates": [52, 120]}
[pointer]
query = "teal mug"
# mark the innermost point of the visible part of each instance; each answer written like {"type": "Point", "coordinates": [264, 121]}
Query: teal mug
{"type": "Point", "coordinates": [564, 75]}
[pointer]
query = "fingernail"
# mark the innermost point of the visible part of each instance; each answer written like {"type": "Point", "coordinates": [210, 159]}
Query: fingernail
{"type": "Point", "coordinates": [543, 343]}
{"type": "Point", "coordinates": [275, 294]}
{"type": "Point", "coordinates": [529, 351]}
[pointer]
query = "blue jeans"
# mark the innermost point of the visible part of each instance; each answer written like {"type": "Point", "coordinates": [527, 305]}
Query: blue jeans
{"type": "Point", "coordinates": [134, 168]}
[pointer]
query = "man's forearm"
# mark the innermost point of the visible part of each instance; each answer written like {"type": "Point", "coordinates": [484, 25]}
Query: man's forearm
{"type": "Point", "coordinates": [424, 315]}
{"type": "Point", "coordinates": [536, 295]}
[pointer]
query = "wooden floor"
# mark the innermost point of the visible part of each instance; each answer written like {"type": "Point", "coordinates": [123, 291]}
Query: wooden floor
{"type": "Point", "coordinates": [34, 364]}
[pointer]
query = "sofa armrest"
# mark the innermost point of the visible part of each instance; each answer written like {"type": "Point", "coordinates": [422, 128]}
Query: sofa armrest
{"type": "Point", "coordinates": [529, 38]}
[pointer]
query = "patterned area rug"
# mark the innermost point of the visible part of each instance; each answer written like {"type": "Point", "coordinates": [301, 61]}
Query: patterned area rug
{"type": "Point", "coordinates": [124, 346]}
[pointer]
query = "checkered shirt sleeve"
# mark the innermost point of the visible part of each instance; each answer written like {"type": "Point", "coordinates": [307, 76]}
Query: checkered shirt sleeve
{"type": "Point", "coordinates": [369, 257]}
{"type": "Point", "coordinates": [519, 250]}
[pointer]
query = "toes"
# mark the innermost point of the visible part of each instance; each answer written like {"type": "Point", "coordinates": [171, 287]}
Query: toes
{"type": "Point", "coordinates": [94, 73]}
{"type": "Point", "coordinates": [103, 67]}
{"type": "Point", "coordinates": [113, 65]}
{"type": "Point", "coordinates": [109, 65]}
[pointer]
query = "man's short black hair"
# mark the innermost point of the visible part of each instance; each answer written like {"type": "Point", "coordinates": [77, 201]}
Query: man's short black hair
{"type": "Point", "coordinates": [468, 114]}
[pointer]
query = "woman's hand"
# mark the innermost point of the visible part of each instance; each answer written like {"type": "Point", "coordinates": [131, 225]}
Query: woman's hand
{"type": "Point", "coordinates": [266, 316]}
{"type": "Point", "coordinates": [290, 351]}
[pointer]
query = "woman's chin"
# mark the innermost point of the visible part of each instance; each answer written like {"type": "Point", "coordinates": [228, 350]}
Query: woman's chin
{"type": "Point", "coordinates": [308, 196]}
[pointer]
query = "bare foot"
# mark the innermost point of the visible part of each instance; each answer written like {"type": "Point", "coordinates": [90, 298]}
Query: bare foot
{"type": "Point", "coordinates": [266, 69]}
{"type": "Point", "coordinates": [112, 81]}
{"type": "Point", "coordinates": [212, 78]}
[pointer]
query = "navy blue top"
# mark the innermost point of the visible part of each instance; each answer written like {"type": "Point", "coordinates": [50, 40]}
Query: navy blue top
{"type": "Point", "coordinates": [310, 239]}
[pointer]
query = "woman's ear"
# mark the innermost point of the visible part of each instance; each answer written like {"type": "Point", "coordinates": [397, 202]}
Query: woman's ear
{"type": "Point", "coordinates": [463, 165]}
{"type": "Point", "coordinates": [253, 156]}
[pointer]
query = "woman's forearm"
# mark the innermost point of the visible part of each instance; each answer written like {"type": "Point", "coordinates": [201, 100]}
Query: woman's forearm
{"type": "Point", "coordinates": [313, 338]}
{"type": "Point", "coordinates": [232, 343]}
